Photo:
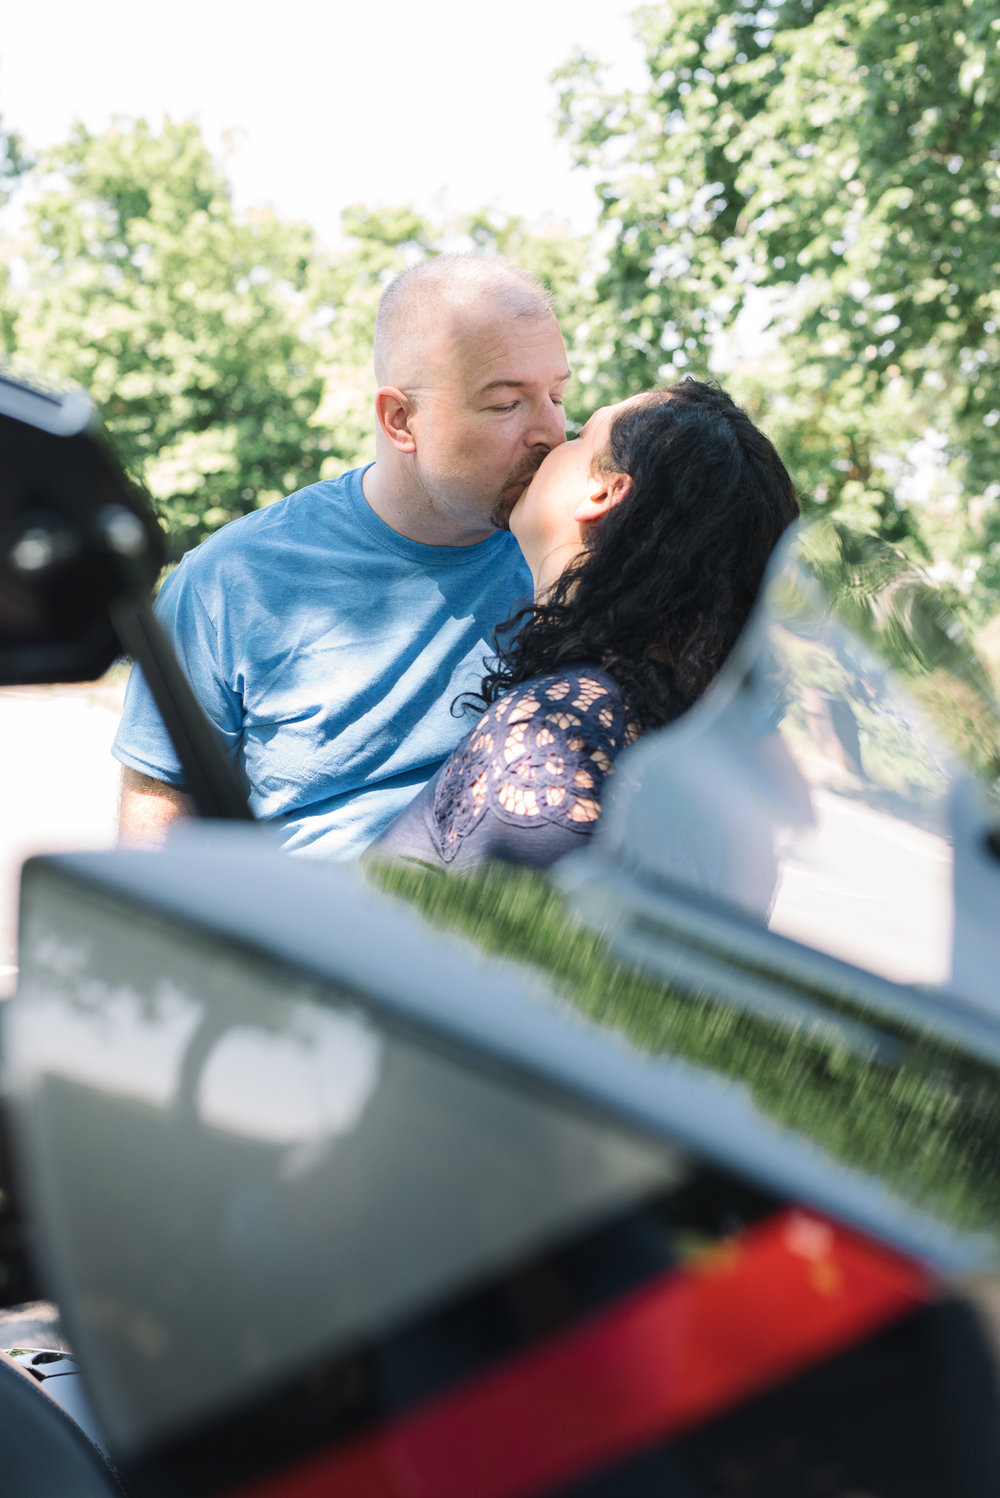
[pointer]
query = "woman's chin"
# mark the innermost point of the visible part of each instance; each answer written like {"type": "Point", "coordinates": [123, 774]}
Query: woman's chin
{"type": "Point", "coordinates": [520, 539]}
{"type": "Point", "coordinates": [516, 514]}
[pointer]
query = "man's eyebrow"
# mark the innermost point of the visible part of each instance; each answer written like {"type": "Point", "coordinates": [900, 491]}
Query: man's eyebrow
{"type": "Point", "coordinates": [519, 384]}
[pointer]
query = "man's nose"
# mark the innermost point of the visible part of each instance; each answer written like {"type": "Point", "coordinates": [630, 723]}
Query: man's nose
{"type": "Point", "coordinates": [548, 429]}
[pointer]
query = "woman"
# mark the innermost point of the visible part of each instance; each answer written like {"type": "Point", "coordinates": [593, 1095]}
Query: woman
{"type": "Point", "coordinates": [647, 539]}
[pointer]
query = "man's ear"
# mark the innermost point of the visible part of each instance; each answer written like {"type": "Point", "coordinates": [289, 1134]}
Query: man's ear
{"type": "Point", "coordinates": [606, 491]}
{"type": "Point", "coordinates": [393, 412]}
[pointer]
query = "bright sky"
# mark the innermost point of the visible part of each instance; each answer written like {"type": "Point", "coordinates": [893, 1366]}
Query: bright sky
{"type": "Point", "coordinates": [440, 103]}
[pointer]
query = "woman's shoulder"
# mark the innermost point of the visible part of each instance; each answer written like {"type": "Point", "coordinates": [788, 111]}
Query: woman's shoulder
{"type": "Point", "coordinates": [539, 756]}
{"type": "Point", "coordinates": [577, 707]}
{"type": "Point", "coordinates": [587, 693]}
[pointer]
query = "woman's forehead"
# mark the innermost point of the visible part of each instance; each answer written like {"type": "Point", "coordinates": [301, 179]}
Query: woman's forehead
{"type": "Point", "coordinates": [610, 412]}
{"type": "Point", "coordinates": [601, 419]}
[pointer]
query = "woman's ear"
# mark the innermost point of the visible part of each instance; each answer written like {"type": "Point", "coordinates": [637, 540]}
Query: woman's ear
{"type": "Point", "coordinates": [607, 490]}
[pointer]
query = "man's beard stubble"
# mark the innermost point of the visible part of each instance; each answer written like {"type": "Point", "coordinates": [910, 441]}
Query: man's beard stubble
{"type": "Point", "coordinates": [500, 514]}
{"type": "Point", "coordinates": [521, 476]}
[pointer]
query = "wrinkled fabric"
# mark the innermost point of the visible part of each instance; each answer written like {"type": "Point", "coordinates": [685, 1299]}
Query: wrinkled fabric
{"type": "Point", "coordinates": [327, 650]}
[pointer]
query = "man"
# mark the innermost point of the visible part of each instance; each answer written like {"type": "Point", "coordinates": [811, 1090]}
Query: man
{"type": "Point", "coordinates": [328, 634]}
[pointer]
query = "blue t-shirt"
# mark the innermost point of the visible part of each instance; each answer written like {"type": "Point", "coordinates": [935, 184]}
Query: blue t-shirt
{"type": "Point", "coordinates": [327, 649]}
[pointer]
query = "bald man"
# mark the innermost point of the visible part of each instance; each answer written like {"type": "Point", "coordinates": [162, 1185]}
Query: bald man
{"type": "Point", "coordinates": [328, 634]}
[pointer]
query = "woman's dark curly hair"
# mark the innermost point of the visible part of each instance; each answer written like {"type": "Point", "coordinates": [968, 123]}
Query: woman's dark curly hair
{"type": "Point", "coordinates": [670, 574]}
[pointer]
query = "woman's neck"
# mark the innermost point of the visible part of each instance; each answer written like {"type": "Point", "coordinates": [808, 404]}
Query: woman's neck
{"type": "Point", "coordinates": [552, 566]}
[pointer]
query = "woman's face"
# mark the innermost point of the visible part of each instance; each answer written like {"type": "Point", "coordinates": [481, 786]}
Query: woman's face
{"type": "Point", "coordinates": [547, 519]}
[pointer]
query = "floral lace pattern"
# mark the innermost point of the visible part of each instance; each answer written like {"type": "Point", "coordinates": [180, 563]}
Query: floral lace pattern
{"type": "Point", "coordinates": [539, 755]}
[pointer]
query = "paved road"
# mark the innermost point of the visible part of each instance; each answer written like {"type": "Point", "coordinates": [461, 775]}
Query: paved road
{"type": "Point", "coordinates": [60, 790]}
{"type": "Point", "coordinates": [60, 784]}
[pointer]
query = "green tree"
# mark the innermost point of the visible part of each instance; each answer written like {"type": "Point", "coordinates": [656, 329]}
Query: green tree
{"type": "Point", "coordinates": [231, 356]}
{"type": "Point", "coordinates": [185, 321]}
{"type": "Point", "coordinates": [15, 160]}
{"type": "Point", "coordinates": [838, 164]}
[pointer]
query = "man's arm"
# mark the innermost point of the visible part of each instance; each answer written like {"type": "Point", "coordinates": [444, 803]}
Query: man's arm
{"type": "Point", "coordinates": [148, 807]}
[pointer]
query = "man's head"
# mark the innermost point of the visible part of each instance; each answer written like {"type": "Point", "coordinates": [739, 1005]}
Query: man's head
{"type": "Point", "coordinates": [471, 369]}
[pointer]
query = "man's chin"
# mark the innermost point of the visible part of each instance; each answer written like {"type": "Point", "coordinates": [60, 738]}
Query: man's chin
{"type": "Point", "coordinates": [509, 497]}
{"type": "Point", "coordinates": [501, 511]}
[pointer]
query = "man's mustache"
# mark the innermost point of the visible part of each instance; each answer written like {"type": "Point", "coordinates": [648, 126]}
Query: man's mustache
{"type": "Point", "coordinates": [529, 468]}
{"type": "Point", "coordinates": [523, 474]}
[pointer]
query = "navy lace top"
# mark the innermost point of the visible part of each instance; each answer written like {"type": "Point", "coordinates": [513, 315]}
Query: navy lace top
{"type": "Point", "coordinates": [525, 785]}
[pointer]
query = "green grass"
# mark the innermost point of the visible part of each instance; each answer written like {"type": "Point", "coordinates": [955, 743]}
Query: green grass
{"type": "Point", "coordinates": [928, 1123]}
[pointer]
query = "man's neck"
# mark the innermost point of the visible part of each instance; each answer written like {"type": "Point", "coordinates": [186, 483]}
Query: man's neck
{"type": "Point", "coordinates": [414, 515]}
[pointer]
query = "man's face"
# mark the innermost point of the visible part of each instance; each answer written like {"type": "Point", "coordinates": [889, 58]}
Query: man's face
{"type": "Point", "coordinates": [490, 410]}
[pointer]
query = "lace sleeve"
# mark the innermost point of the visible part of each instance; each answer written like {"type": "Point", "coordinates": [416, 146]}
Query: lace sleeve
{"type": "Point", "coordinates": [539, 757]}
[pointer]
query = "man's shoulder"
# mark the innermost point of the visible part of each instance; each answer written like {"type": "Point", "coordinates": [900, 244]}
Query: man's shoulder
{"type": "Point", "coordinates": [299, 518]}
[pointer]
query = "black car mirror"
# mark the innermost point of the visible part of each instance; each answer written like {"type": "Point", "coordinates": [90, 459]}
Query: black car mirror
{"type": "Point", "coordinates": [80, 551]}
{"type": "Point", "coordinates": [74, 534]}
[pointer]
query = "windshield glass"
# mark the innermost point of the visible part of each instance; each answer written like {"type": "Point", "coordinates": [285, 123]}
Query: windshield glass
{"type": "Point", "coordinates": [834, 785]}
{"type": "Point", "coordinates": [792, 889]}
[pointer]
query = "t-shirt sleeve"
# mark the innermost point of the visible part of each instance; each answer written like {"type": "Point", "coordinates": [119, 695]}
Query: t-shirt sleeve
{"type": "Point", "coordinates": [142, 741]}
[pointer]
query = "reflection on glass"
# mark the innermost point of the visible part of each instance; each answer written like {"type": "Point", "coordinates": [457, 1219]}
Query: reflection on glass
{"type": "Point", "coordinates": [904, 618]}
{"type": "Point", "coordinates": [812, 796]}
{"type": "Point", "coordinates": [230, 1155]}
{"type": "Point", "coordinates": [125, 1040]}
{"type": "Point", "coordinates": [317, 1075]}
{"type": "Point", "coordinates": [868, 876]}
{"type": "Point", "coordinates": [914, 1113]}
{"type": "Point", "coordinates": [811, 788]}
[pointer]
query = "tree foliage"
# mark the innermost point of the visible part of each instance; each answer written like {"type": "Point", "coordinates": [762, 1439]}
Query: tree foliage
{"type": "Point", "coordinates": [15, 160]}
{"type": "Point", "coordinates": [836, 162]}
{"type": "Point", "coordinates": [230, 355]}
{"type": "Point", "coordinates": [832, 166]}
{"type": "Point", "coordinates": [139, 281]}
